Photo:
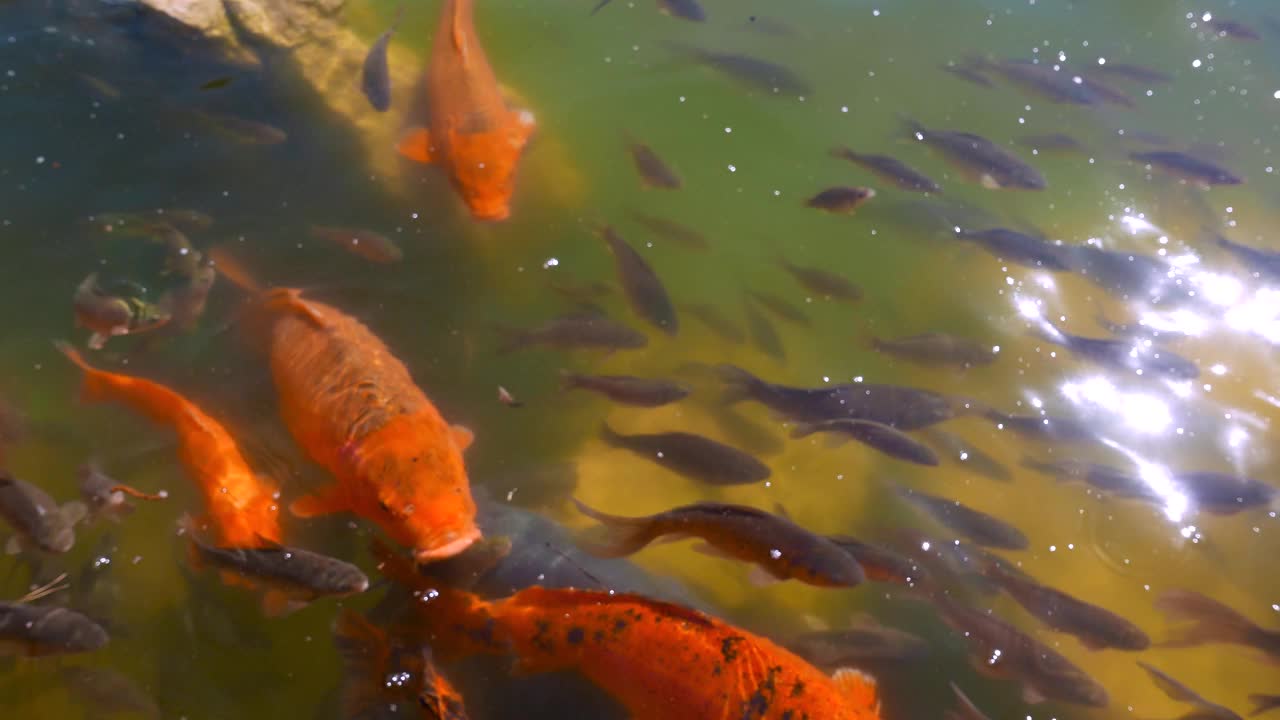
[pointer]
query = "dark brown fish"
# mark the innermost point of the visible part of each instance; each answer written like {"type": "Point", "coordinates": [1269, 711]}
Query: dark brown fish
{"type": "Point", "coordinates": [1263, 703]}
{"type": "Point", "coordinates": [1017, 247]}
{"type": "Point", "coordinates": [744, 431]}
{"type": "Point", "coordinates": [763, 335]}
{"type": "Point", "coordinates": [680, 234]}
{"type": "Point", "coordinates": [1045, 427]}
{"type": "Point", "coordinates": [1051, 142]}
{"type": "Point", "coordinates": [217, 83]}
{"type": "Point", "coordinates": [966, 455]}
{"type": "Point", "coordinates": [628, 389]}
{"type": "Point", "coordinates": [751, 72]}
{"type": "Point", "coordinates": [586, 294]}
{"type": "Point", "coordinates": [375, 76]}
{"type": "Point", "coordinates": [292, 577]}
{"type": "Point", "coordinates": [783, 549]}
{"type": "Point", "coordinates": [999, 649]}
{"type": "Point", "coordinates": [967, 710]}
{"type": "Point", "coordinates": [937, 349]}
{"type": "Point", "coordinates": [890, 169]}
{"type": "Point", "coordinates": [1095, 627]}
{"type": "Point", "coordinates": [1059, 85]}
{"type": "Point", "coordinates": [241, 130]}
{"type": "Point", "coordinates": [980, 159]}
{"type": "Point", "coordinates": [968, 73]}
{"type": "Point", "coordinates": [823, 283]}
{"type": "Point", "coordinates": [879, 563]}
{"type": "Point", "coordinates": [372, 246]}
{"type": "Point", "coordinates": [865, 642]}
{"type": "Point", "coordinates": [683, 9]}
{"type": "Point", "coordinates": [576, 331]}
{"type": "Point", "coordinates": [891, 442]}
{"type": "Point", "coordinates": [1209, 621]}
{"type": "Point", "coordinates": [1234, 29]}
{"type": "Point", "coordinates": [979, 527]}
{"type": "Point", "coordinates": [1122, 354]}
{"type": "Point", "coordinates": [780, 308]}
{"type": "Point", "coordinates": [1178, 691]}
{"type": "Point", "coordinates": [1187, 167]}
{"type": "Point", "coordinates": [1255, 260]}
{"type": "Point", "coordinates": [900, 407]}
{"type": "Point", "coordinates": [101, 494]}
{"type": "Point", "coordinates": [653, 170]}
{"type": "Point", "coordinates": [692, 456]}
{"type": "Point", "coordinates": [1130, 71]}
{"type": "Point", "coordinates": [105, 691]}
{"type": "Point", "coordinates": [36, 518]}
{"type": "Point", "coordinates": [716, 321]}
{"type": "Point", "coordinates": [644, 291]}
{"type": "Point", "coordinates": [35, 630]}
{"type": "Point", "coordinates": [843, 199]}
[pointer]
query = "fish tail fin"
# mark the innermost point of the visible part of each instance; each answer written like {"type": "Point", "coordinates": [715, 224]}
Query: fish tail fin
{"type": "Point", "coordinates": [860, 690]}
{"type": "Point", "coordinates": [842, 152]}
{"type": "Point", "coordinates": [610, 437]}
{"type": "Point", "coordinates": [569, 380]}
{"type": "Point", "coordinates": [803, 429]}
{"type": "Point", "coordinates": [1263, 703]}
{"type": "Point", "coordinates": [615, 536]}
{"type": "Point", "coordinates": [911, 126]}
{"type": "Point", "coordinates": [232, 269]}
{"type": "Point", "coordinates": [97, 385]}
{"type": "Point", "coordinates": [1211, 621]}
{"type": "Point", "coordinates": [739, 384]}
{"type": "Point", "coordinates": [510, 339]}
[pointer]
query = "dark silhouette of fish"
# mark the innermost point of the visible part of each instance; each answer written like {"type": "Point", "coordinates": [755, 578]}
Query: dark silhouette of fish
{"type": "Point", "coordinates": [1234, 29]}
{"type": "Point", "coordinates": [750, 72]}
{"type": "Point", "coordinates": [937, 350]}
{"type": "Point", "coordinates": [678, 233]}
{"type": "Point", "coordinates": [841, 200]}
{"type": "Point", "coordinates": [628, 389]}
{"type": "Point", "coordinates": [979, 527]}
{"type": "Point", "coordinates": [1130, 71]}
{"type": "Point", "coordinates": [890, 169]}
{"type": "Point", "coordinates": [968, 73]}
{"type": "Point", "coordinates": [1179, 691]}
{"type": "Point", "coordinates": [822, 282]}
{"type": "Point", "coordinates": [1208, 621]}
{"type": "Point", "coordinates": [1256, 260]}
{"type": "Point", "coordinates": [1094, 626]}
{"type": "Point", "coordinates": [653, 170]}
{"type": "Point", "coordinates": [891, 442]}
{"type": "Point", "coordinates": [864, 642]}
{"type": "Point", "coordinates": [1187, 167]}
{"type": "Point", "coordinates": [780, 308]}
{"type": "Point", "coordinates": [715, 321]}
{"type": "Point", "coordinates": [693, 456]}
{"type": "Point", "coordinates": [375, 76]}
{"type": "Point", "coordinates": [763, 335]}
{"type": "Point", "coordinates": [1142, 357]}
{"type": "Point", "coordinates": [1017, 247]}
{"type": "Point", "coordinates": [966, 455]}
{"type": "Point", "coordinates": [979, 158]}
{"type": "Point", "coordinates": [575, 331]}
{"type": "Point", "coordinates": [1123, 274]}
{"type": "Point", "coordinates": [1046, 427]}
{"type": "Point", "coordinates": [644, 291]}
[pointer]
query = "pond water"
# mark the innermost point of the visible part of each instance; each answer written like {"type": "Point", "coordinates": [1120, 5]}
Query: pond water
{"type": "Point", "coordinates": [1145, 130]}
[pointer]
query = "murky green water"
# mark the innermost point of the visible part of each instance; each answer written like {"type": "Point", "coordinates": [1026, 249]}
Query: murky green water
{"type": "Point", "coordinates": [748, 161]}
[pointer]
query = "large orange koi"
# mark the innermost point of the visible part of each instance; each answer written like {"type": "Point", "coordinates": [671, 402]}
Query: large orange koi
{"type": "Point", "coordinates": [472, 132]}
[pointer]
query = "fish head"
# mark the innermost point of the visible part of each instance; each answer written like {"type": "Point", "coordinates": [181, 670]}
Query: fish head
{"type": "Point", "coordinates": [484, 165]}
{"type": "Point", "coordinates": [430, 511]}
{"type": "Point", "coordinates": [55, 537]}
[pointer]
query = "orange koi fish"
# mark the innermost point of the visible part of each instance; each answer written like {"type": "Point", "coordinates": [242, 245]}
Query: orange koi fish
{"type": "Point", "coordinates": [241, 508]}
{"type": "Point", "coordinates": [657, 659]}
{"type": "Point", "coordinates": [472, 132]}
{"type": "Point", "coordinates": [351, 404]}
{"type": "Point", "coordinates": [381, 672]}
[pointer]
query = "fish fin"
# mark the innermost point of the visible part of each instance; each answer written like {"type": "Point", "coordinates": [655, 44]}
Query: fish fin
{"type": "Point", "coordinates": [1211, 621]}
{"type": "Point", "coordinates": [859, 689]}
{"type": "Point", "coordinates": [615, 536]}
{"type": "Point", "coordinates": [706, 548]}
{"type": "Point", "coordinates": [803, 429]}
{"type": "Point", "coordinates": [815, 623]}
{"type": "Point", "coordinates": [462, 436]}
{"type": "Point", "coordinates": [291, 300]}
{"type": "Point", "coordinates": [74, 512]}
{"type": "Point", "coordinates": [230, 268]}
{"type": "Point", "coordinates": [96, 341]}
{"type": "Point", "coordinates": [781, 511]}
{"type": "Point", "coordinates": [759, 577]}
{"type": "Point", "coordinates": [328, 500]}
{"type": "Point", "coordinates": [610, 438]}
{"type": "Point", "coordinates": [739, 384]}
{"type": "Point", "coordinates": [13, 545]}
{"type": "Point", "coordinates": [416, 145]}
{"type": "Point", "coordinates": [1263, 703]}
{"type": "Point", "coordinates": [278, 604]}
{"type": "Point", "coordinates": [1031, 696]}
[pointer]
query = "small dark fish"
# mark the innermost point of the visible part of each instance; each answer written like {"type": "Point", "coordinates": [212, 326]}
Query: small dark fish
{"type": "Point", "coordinates": [101, 494]}
{"type": "Point", "coordinates": [980, 159]}
{"type": "Point", "coordinates": [999, 649]}
{"type": "Point", "coordinates": [891, 442]}
{"type": "Point", "coordinates": [770, 26]}
{"type": "Point", "coordinates": [1234, 29]}
{"type": "Point", "coordinates": [937, 349]}
{"type": "Point", "coordinates": [1142, 357]}
{"type": "Point", "coordinates": [946, 560]}
{"type": "Point", "coordinates": [653, 170]}
{"type": "Point", "coordinates": [968, 456]}
{"type": "Point", "coordinates": [891, 170]}
{"type": "Point", "coordinates": [981, 528]}
{"type": "Point", "coordinates": [34, 630]}
{"type": "Point", "coordinates": [1256, 260]}
{"type": "Point", "coordinates": [241, 130]}
{"type": "Point", "coordinates": [763, 335]}
{"type": "Point", "coordinates": [880, 564]}
{"type": "Point", "coordinates": [628, 389]}
{"type": "Point", "coordinates": [781, 308]}
{"type": "Point", "coordinates": [1187, 167]}
{"type": "Point", "coordinates": [1045, 427]}
{"type": "Point", "coordinates": [1263, 703]}
{"type": "Point", "coordinates": [372, 246]}
{"type": "Point", "coordinates": [375, 76]}
{"type": "Point", "coordinates": [1104, 478]}
{"type": "Point", "coordinates": [968, 73]}
{"type": "Point", "coordinates": [1124, 274]}
{"type": "Point", "coordinates": [867, 641]}
{"type": "Point", "coordinates": [506, 398]}
{"type": "Point", "coordinates": [217, 83]}
{"type": "Point", "coordinates": [1210, 621]}
{"type": "Point", "coordinates": [107, 692]}
{"type": "Point", "coordinates": [843, 200]}
{"type": "Point", "coordinates": [1060, 85]}
{"type": "Point", "coordinates": [692, 456]}
{"type": "Point", "coordinates": [900, 407]}
{"type": "Point", "coordinates": [36, 518]}
{"type": "Point", "coordinates": [967, 710]}
{"type": "Point", "coordinates": [644, 290]}
{"type": "Point", "coordinates": [716, 321]}
{"type": "Point", "coordinates": [677, 233]}
{"type": "Point", "coordinates": [823, 283]}
{"type": "Point", "coordinates": [580, 330]}
{"type": "Point", "coordinates": [781, 548]}
{"type": "Point", "coordinates": [744, 431]}
{"type": "Point", "coordinates": [107, 316]}
{"type": "Point", "coordinates": [1136, 73]}
{"type": "Point", "coordinates": [683, 9]}
{"type": "Point", "coordinates": [586, 294]}
{"type": "Point", "coordinates": [752, 72]}
{"type": "Point", "coordinates": [1223, 494]}
{"type": "Point", "coordinates": [1052, 142]}
{"type": "Point", "coordinates": [1178, 691]}
{"type": "Point", "coordinates": [1018, 248]}
{"type": "Point", "coordinates": [291, 576]}
{"type": "Point", "coordinates": [1095, 627]}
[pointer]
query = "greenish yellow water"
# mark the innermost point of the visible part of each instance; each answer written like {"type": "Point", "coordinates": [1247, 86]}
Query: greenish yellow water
{"type": "Point", "coordinates": [748, 162]}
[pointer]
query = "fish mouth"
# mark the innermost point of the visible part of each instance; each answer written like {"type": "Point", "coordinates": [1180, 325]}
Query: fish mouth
{"type": "Point", "coordinates": [491, 213]}
{"type": "Point", "coordinates": [454, 543]}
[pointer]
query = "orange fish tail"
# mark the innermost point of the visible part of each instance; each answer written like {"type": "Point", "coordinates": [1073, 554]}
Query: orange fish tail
{"type": "Point", "coordinates": [231, 268]}
{"type": "Point", "coordinates": [157, 402]}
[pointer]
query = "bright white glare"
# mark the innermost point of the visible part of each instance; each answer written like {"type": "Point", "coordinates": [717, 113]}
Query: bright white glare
{"type": "Point", "coordinates": [1237, 437]}
{"type": "Point", "coordinates": [1218, 369]}
{"type": "Point", "coordinates": [1141, 412]}
{"type": "Point", "coordinates": [1221, 290]}
{"type": "Point", "coordinates": [1184, 322]}
{"type": "Point", "coordinates": [1029, 309]}
{"type": "Point", "coordinates": [1135, 225]}
{"type": "Point", "coordinates": [1259, 315]}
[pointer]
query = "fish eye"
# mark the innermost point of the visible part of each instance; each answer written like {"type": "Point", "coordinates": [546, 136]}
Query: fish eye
{"type": "Point", "coordinates": [385, 507]}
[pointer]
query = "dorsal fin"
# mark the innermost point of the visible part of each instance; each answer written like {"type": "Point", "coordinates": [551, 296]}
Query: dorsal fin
{"type": "Point", "coordinates": [460, 29]}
